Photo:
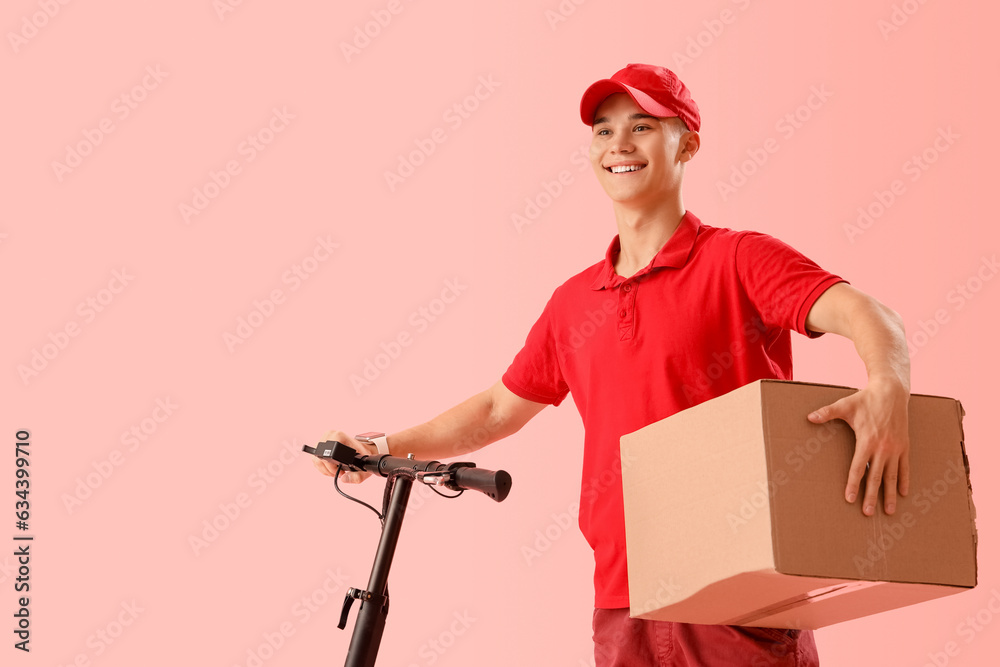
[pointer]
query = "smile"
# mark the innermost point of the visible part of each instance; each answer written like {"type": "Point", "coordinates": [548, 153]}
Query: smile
{"type": "Point", "coordinates": [621, 169]}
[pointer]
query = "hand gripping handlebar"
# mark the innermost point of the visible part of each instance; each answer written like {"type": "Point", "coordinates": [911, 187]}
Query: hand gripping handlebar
{"type": "Point", "coordinates": [455, 476]}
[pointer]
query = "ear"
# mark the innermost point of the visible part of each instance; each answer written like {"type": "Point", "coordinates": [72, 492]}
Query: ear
{"type": "Point", "coordinates": [688, 145]}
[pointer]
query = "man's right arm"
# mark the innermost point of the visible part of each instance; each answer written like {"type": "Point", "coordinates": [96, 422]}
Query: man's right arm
{"type": "Point", "coordinates": [478, 421]}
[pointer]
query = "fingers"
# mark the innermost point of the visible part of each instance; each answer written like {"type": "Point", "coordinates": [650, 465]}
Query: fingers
{"type": "Point", "coordinates": [859, 466]}
{"type": "Point", "coordinates": [325, 466]}
{"type": "Point", "coordinates": [883, 471]}
{"type": "Point", "coordinates": [354, 477]}
{"type": "Point", "coordinates": [886, 475]}
{"type": "Point", "coordinates": [842, 409]}
{"type": "Point", "coordinates": [821, 416]}
{"type": "Point", "coordinates": [837, 410]}
{"type": "Point", "coordinates": [891, 481]}
{"type": "Point", "coordinates": [891, 474]}
{"type": "Point", "coordinates": [330, 468]}
{"type": "Point", "coordinates": [881, 454]}
{"type": "Point", "coordinates": [875, 471]}
{"type": "Point", "coordinates": [904, 474]}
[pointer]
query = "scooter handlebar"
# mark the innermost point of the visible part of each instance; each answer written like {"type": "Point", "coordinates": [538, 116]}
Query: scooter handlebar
{"type": "Point", "coordinates": [461, 476]}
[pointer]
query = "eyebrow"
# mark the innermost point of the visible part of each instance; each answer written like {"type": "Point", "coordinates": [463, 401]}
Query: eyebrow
{"type": "Point", "coordinates": [635, 116]}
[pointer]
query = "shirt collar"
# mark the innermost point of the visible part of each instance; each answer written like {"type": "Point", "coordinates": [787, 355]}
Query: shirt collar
{"type": "Point", "coordinates": [673, 254]}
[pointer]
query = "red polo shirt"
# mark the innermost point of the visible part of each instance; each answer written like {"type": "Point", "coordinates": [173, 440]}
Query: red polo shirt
{"type": "Point", "coordinates": [710, 313]}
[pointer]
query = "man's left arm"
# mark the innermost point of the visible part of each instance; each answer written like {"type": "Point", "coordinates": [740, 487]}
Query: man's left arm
{"type": "Point", "coordinates": [877, 413]}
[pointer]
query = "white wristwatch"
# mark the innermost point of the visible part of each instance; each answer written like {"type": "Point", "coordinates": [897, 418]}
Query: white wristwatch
{"type": "Point", "coordinates": [375, 438]}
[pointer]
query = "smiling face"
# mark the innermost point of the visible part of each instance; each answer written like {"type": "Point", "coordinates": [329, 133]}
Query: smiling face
{"type": "Point", "coordinates": [639, 159]}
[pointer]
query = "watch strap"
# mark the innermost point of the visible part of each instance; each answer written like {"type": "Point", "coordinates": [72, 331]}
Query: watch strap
{"type": "Point", "coordinates": [374, 438]}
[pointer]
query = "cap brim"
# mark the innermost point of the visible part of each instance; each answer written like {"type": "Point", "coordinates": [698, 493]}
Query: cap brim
{"type": "Point", "coordinates": [600, 91]}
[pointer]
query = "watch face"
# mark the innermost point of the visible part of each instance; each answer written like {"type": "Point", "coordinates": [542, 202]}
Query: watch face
{"type": "Point", "coordinates": [369, 436]}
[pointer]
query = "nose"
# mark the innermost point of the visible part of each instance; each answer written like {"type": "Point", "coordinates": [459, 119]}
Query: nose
{"type": "Point", "coordinates": [622, 143]}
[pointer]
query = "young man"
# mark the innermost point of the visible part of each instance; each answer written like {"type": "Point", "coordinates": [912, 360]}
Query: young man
{"type": "Point", "coordinates": [676, 295]}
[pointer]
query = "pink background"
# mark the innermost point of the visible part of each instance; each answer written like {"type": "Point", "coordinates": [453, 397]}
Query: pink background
{"type": "Point", "coordinates": [462, 581]}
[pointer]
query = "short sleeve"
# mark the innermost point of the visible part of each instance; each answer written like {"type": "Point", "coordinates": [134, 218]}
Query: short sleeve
{"type": "Point", "coordinates": [782, 283]}
{"type": "Point", "coordinates": [535, 374]}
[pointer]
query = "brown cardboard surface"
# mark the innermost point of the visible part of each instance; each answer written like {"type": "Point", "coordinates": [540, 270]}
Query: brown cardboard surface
{"type": "Point", "coordinates": [735, 514]}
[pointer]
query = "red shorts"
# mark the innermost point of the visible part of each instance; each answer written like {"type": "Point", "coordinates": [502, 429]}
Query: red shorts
{"type": "Point", "coordinates": [621, 641]}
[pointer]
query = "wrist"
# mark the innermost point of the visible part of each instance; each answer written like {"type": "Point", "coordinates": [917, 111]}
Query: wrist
{"type": "Point", "coordinates": [889, 382]}
{"type": "Point", "coordinates": [375, 442]}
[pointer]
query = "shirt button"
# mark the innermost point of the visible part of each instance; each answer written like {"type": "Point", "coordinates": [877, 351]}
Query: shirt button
{"type": "Point", "coordinates": [628, 287]}
{"type": "Point", "coordinates": [623, 313]}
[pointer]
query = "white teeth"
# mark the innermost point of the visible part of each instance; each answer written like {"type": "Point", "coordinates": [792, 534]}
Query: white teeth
{"type": "Point", "coordinates": [624, 168]}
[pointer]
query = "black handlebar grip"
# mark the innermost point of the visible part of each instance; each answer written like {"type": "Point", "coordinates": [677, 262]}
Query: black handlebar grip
{"type": "Point", "coordinates": [494, 484]}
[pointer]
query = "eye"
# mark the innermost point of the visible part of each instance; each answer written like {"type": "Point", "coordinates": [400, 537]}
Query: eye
{"type": "Point", "coordinates": [603, 132]}
{"type": "Point", "coordinates": [642, 127]}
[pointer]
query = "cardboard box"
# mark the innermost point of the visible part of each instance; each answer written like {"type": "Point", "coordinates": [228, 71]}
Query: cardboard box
{"type": "Point", "coordinates": [735, 513]}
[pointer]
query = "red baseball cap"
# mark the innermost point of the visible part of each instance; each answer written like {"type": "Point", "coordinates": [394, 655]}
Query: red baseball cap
{"type": "Point", "coordinates": [655, 89]}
